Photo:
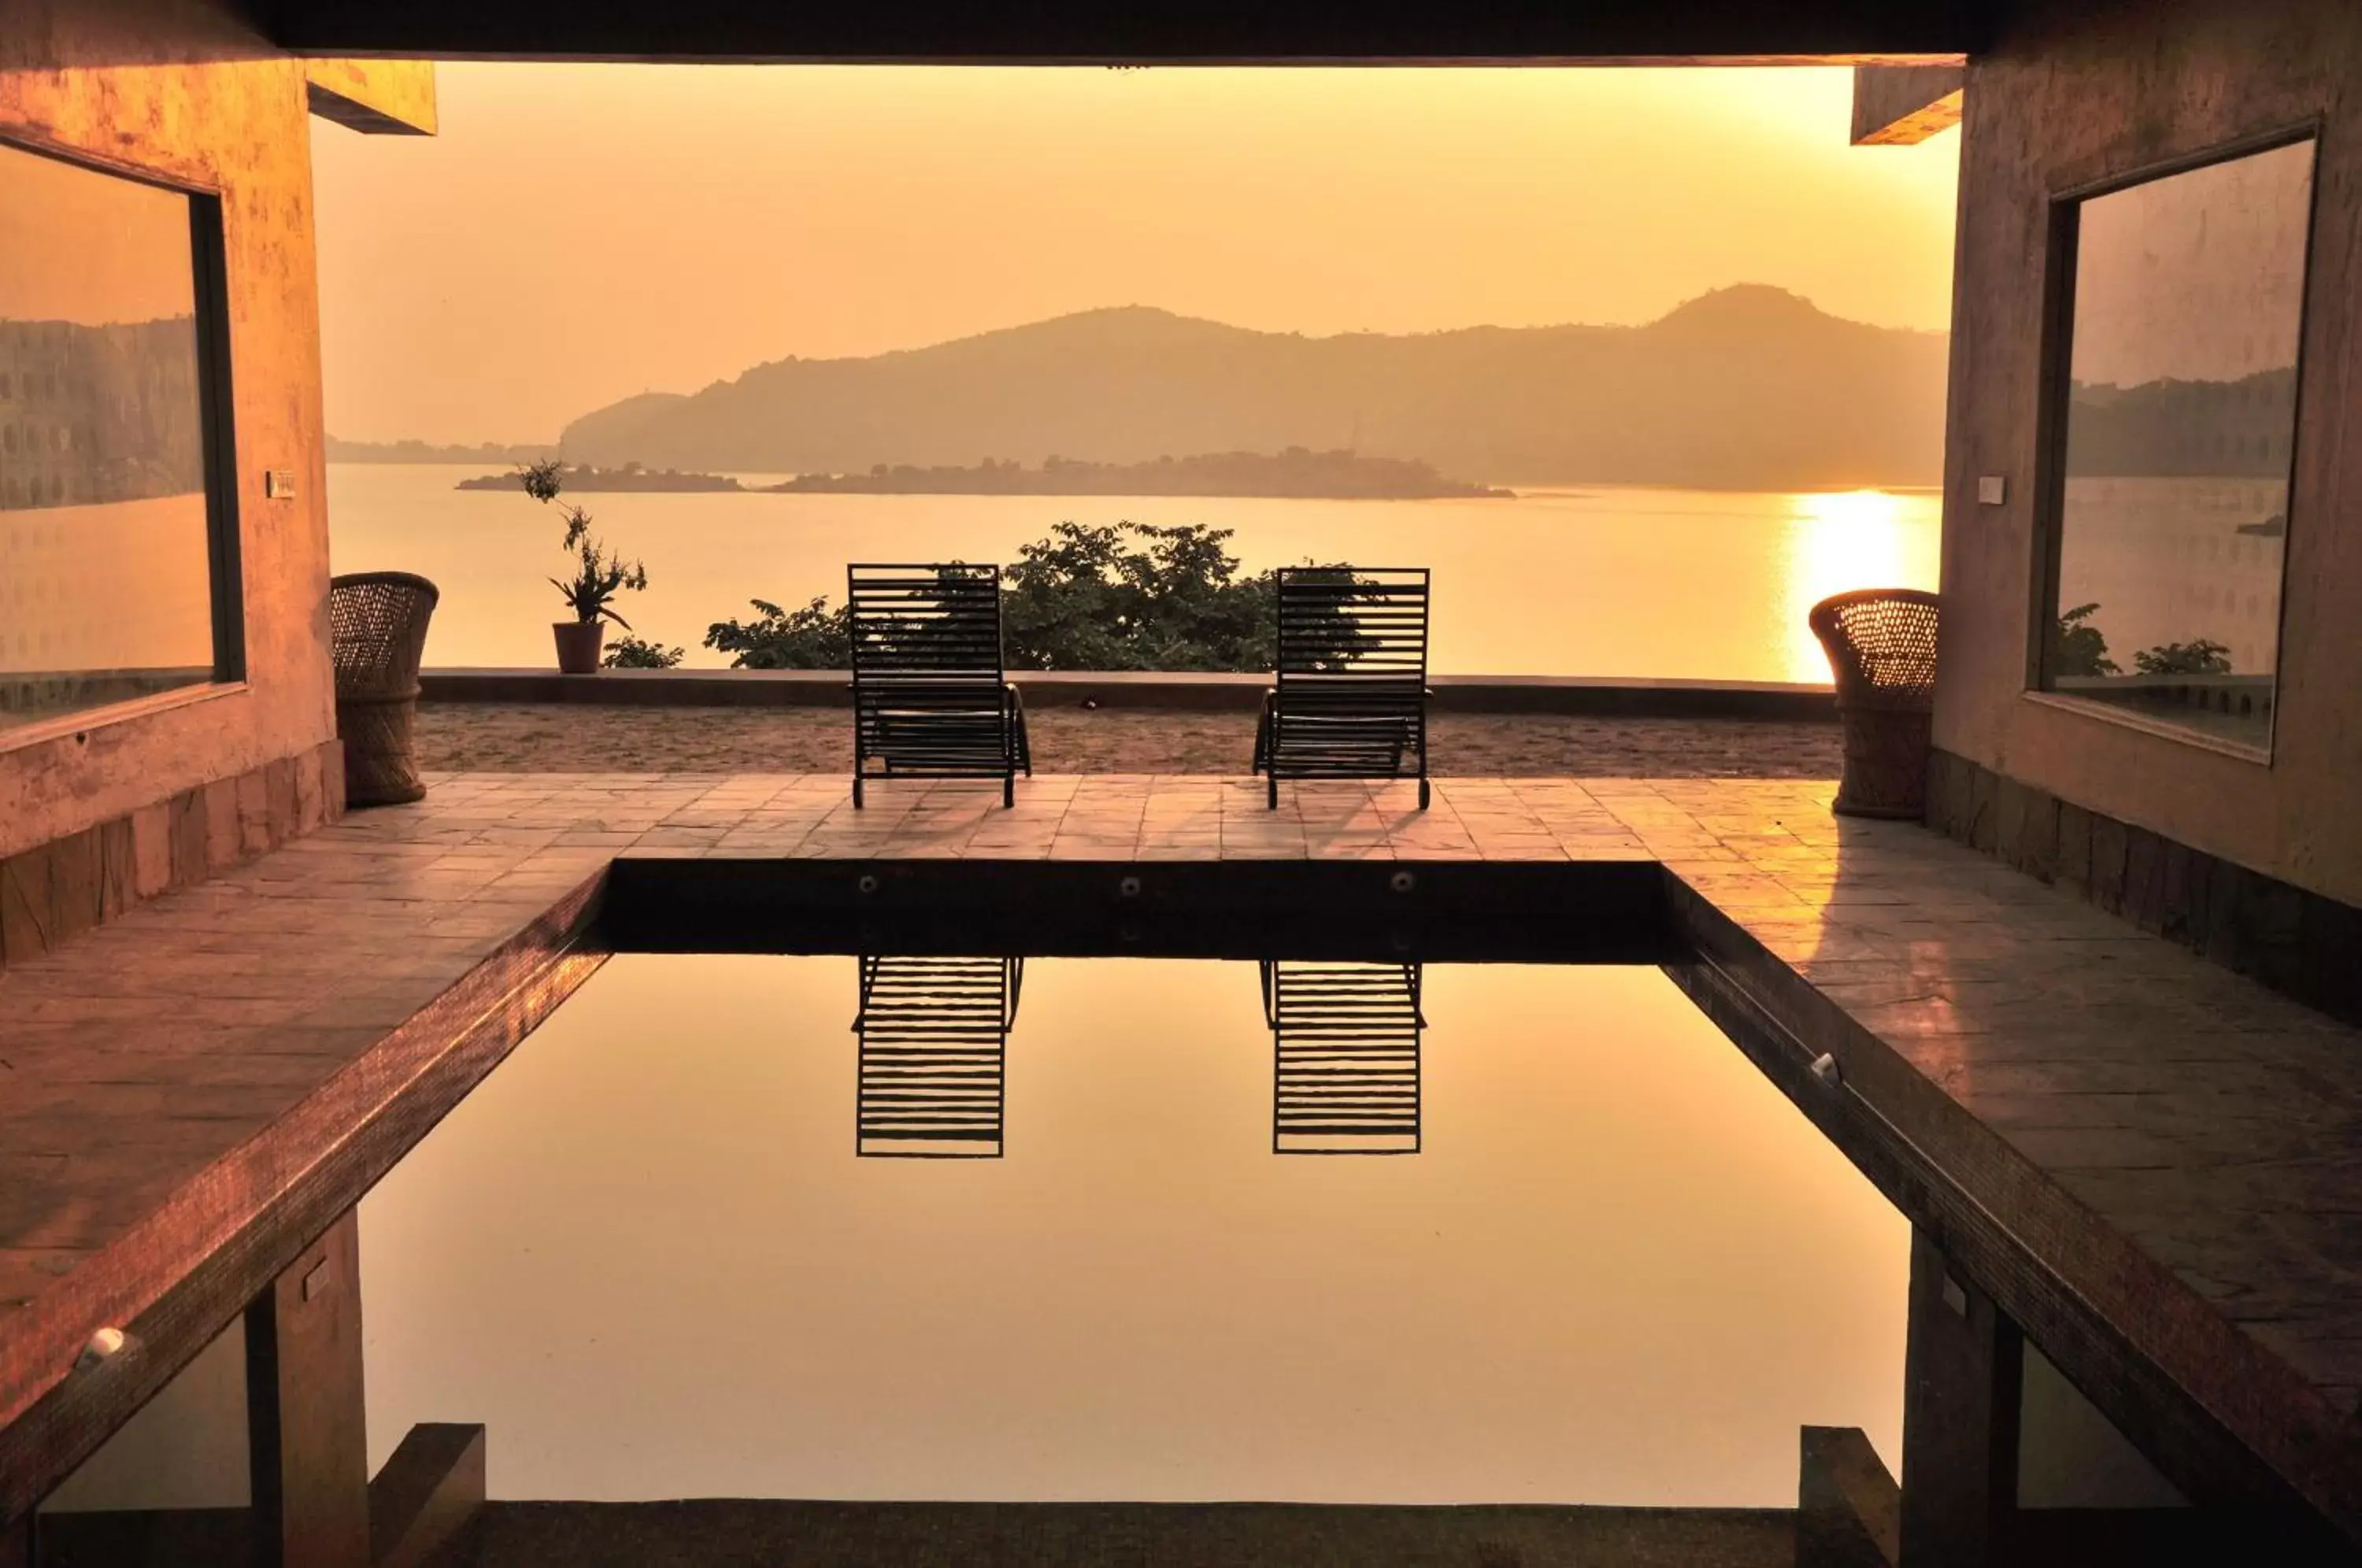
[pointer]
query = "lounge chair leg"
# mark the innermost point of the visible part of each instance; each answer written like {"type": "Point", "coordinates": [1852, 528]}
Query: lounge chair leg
{"type": "Point", "coordinates": [1422, 792]}
{"type": "Point", "coordinates": [856, 792]}
{"type": "Point", "coordinates": [1008, 791]}
{"type": "Point", "coordinates": [1271, 782]}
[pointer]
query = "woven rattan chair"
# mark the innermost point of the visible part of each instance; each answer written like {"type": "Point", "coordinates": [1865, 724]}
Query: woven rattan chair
{"type": "Point", "coordinates": [1881, 648]}
{"type": "Point", "coordinates": [376, 623]}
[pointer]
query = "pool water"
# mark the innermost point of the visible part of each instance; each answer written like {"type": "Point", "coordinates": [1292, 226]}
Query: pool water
{"type": "Point", "coordinates": [662, 1250]}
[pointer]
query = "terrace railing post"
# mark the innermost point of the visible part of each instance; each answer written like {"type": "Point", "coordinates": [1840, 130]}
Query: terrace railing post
{"type": "Point", "coordinates": [1960, 1390]}
{"type": "Point", "coordinates": [306, 1420]}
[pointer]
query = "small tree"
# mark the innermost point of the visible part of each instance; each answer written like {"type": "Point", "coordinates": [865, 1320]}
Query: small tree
{"type": "Point", "coordinates": [599, 577]}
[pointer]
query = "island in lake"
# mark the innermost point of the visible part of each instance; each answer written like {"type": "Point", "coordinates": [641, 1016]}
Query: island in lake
{"type": "Point", "coordinates": [630, 477]}
{"type": "Point", "coordinates": [1295, 473]}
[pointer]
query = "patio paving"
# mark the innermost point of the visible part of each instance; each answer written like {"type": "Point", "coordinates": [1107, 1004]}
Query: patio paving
{"type": "Point", "coordinates": [2210, 1124]}
{"type": "Point", "coordinates": [499, 737]}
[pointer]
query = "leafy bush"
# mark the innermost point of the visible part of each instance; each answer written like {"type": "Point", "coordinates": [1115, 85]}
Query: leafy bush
{"type": "Point", "coordinates": [2199, 655]}
{"type": "Point", "coordinates": [1089, 598]}
{"type": "Point", "coordinates": [632, 653]}
{"type": "Point", "coordinates": [2077, 647]}
{"type": "Point", "coordinates": [1121, 596]}
{"type": "Point", "coordinates": [815, 637]}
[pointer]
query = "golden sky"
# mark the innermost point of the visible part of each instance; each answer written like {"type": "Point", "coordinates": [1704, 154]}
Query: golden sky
{"type": "Point", "coordinates": [579, 233]}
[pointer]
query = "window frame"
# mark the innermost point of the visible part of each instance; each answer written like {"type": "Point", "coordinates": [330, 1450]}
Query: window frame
{"type": "Point", "coordinates": [217, 443]}
{"type": "Point", "coordinates": [2063, 219]}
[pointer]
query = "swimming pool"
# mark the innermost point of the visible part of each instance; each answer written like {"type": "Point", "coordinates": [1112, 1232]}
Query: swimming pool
{"type": "Point", "coordinates": [655, 1255]}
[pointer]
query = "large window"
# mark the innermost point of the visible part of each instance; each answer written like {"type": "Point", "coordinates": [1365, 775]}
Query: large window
{"type": "Point", "coordinates": [117, 545]}
{"type": "Point", "coordinates": [2170, 505]}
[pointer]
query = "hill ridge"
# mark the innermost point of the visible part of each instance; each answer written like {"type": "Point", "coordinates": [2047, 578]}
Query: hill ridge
{"type": "Point", "coordinates": [1748, 386]}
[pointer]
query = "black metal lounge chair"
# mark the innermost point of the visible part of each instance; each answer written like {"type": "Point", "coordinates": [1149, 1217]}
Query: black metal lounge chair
{"type": "Point", "coordinates": [935, 1047]}
{"type": "Point", "coordinates": [930, 696]}
{"type": "Point", "coordinates": [1345, 1044]}
{"type": "Point", "coordinates": [1350, 697]}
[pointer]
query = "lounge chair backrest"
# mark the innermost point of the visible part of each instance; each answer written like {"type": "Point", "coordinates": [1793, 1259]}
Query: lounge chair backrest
{"type": "Point", "coordinates": [932, 1080]}
{"type": "Point", "coordinates": [1345, 1056]}
{"type": "Point", "coordinates": [1356, 624]}
{"type": "Point", "coordinates": [936, 623]}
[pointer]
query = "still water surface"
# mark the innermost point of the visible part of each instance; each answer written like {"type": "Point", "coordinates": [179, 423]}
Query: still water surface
{"type": "Point", "coordinates": [1620, 1269]}
{"type": "Point", "coordinates": [1635, 582]}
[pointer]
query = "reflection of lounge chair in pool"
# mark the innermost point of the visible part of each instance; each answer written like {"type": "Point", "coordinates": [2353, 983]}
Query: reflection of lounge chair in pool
{"type": "Point", "coordinates": [1344, 1056]}
{"type": "Point", "coordinates": [1349, 699]}
{"type": "Point", "coordinates": [935, 1041]}
{"type": "Point", "coordinates": [930, 696]}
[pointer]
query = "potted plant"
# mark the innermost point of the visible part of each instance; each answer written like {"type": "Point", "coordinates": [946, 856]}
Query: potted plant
{"type": "Point", "coordinates": [598, 577]}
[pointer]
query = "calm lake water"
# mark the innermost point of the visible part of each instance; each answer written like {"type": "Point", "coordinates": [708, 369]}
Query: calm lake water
{"type": "Point", "coordinates": [1703, 585]}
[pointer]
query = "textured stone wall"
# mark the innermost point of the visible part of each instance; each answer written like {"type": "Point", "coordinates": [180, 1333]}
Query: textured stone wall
{"type": "Point", "coordinates": [181, 92]}
{"type": "Point", "coordinates": [2071, 96]}
{"type": "Point", "coordinates": [52, 893]}
{"type": "Point", "coordinates": [119, 803]}
{"type": "Point", "coordinates": [2293, 940]}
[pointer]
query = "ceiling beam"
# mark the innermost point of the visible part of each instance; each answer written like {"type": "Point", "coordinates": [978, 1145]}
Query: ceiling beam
{"type": "Point", "coordinates": [1896, 106]}
{"type": "Point", "coordinates": [376, 97]}
{"type": "Point", "coordinates": [1147, 31]}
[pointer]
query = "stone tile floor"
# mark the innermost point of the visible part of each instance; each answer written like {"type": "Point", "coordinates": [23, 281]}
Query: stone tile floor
{"type": "Point", "coordinates": [2216, 1124]}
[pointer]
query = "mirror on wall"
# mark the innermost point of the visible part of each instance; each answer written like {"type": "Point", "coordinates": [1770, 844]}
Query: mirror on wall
{"type": "Point", "coordinates": [2171, 510]}
{"type": "Point", "coordinates": [106, 528]}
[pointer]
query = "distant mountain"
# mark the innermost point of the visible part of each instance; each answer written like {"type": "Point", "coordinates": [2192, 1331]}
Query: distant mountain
{"type": "Point", "coordinates": [2183, 429]}
{"type": "Point", "coordinates": [1749, 387]}
{"type": "Point", "coordinates": [415, 451]}
{"type": "Point", "coordinates": [1335, 476]}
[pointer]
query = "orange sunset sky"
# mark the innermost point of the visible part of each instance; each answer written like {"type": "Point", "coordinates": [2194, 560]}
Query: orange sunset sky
{"type": "Point", "coordinates": [579, 233]}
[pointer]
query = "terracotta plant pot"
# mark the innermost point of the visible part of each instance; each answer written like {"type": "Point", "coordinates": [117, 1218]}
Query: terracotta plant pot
{"type": "Point", "coordinates": [578, 646]}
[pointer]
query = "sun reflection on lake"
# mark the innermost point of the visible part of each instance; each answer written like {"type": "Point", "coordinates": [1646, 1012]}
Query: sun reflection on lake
{"type": "Point", "coordinates": [1845, 539]}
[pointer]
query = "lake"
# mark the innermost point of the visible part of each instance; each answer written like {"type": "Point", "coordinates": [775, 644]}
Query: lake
{"type": "Point", "coordinates": [1599, 581]}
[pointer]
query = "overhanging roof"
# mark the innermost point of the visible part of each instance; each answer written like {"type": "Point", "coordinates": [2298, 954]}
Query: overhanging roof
{"type": "Point", "coordinates": [1013, 31]}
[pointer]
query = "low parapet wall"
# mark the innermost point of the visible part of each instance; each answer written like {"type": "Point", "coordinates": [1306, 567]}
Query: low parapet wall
{"type": "Point", "coordinates": [1135, 689]}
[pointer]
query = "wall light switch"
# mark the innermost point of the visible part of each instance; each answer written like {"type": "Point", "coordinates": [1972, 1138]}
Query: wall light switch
{"type": "Point", "coordinates": [278, 484]}
{"type": "Point", "coordinates": [1993, 489]}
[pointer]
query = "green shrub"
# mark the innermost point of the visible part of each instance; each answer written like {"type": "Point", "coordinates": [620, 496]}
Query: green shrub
{"type": "Point", "coordinates": [1117, 596]}
{"type": "Point", "coordinates": [633, 653]}
{"type": "Point", "coordinates": [815, 637]}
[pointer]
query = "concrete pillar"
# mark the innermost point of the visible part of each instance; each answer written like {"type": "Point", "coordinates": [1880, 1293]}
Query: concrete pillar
{"type": "Point", "coordinates": [1960, 1385]}
{"type": "Point", "coordinates": [305, 1409]}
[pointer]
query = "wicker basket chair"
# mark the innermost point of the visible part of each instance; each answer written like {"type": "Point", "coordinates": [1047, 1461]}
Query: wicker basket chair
{"type": "Point", "coordinates": [1881, 648]}
{"type": "Point", "coordinates": [376, 623]}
